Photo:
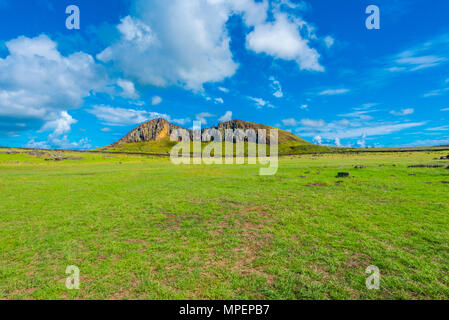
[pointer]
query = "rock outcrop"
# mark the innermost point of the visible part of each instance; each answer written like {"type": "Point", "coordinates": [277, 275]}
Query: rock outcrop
{"type": "Point", "coordinates": [235, 125]}
{"type": "Point", "coordinates": [153, 130]}
{"type": "Point", "coordinates": [159, 129]}
{"type": "Point", "coordinates": [245, 125]}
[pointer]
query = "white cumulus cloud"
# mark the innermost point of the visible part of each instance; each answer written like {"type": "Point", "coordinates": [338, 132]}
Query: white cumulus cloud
{"type": "Point", "coordinates": [317, 140]}
{"type": "Point", "coordinates": [290, 122]}
{"type": "Point", "coordinates": [156, 100]}
{"type": "Point", "coordinates": [313, 123]}
{"type": "Point", "coordinates": [226, 117]}
{"type": "Point", "coordinates": [282, 39]}
{"type": "Point", "coordinates": [128, 89]}
{"type": "Point", "coordinates": [174, 43]}
{"type": "Point", "coordinates": [61, 125]}
{"type": "Point", "coordinates": [187, 43]}
{"type": "Point", "coordinates": [37, 82]}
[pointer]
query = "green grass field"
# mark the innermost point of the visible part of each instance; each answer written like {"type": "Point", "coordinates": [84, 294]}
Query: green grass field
{"type": "Point", "coordinates": [142, 228]}
{"type": "Point", "coordinates": [164, 146]}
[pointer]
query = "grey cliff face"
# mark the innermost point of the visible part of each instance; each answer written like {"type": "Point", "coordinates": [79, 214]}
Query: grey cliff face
{"type": "Point", "coordinates": [153, 130]}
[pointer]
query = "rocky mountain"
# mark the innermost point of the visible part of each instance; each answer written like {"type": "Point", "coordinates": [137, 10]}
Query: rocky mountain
{"type": "Point", "coordinates": [284, 136]}
{"type": "Point", "coordinates": [154, 130]}
{"type": "Point", "coordinates": [153, 137]}
{"type": "Point", "coordinates": [159, 129]}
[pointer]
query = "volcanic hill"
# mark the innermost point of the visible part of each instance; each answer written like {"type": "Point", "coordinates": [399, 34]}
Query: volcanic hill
{"type": "Point", "coordinates": [154, 137]}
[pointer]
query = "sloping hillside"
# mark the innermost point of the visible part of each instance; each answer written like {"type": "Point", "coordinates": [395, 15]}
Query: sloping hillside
{"type": "Point", "coordinates": [154, 137]}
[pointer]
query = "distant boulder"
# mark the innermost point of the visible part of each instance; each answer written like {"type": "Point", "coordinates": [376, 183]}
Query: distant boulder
{"type": "Point", "coordinates": [343, 175]}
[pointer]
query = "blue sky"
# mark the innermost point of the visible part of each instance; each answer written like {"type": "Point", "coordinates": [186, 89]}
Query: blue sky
{"type": "Point", "coordinates": [311, 67]}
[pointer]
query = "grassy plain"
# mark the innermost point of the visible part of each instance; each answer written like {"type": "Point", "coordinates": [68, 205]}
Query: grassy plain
{"type": "Point", "coordinates": [164, 146]}
{"type": "Point", "coordinates": [142, 228]}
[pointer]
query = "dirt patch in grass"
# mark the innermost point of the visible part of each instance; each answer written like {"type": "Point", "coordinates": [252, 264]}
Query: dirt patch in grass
{"type": "Point", "coordinates": [321, 269]}
{"type": "Point", "coordinates": [196, 201]}
{"type": "Point", "coordinates": [358, 261]}
{"type": "Point", "coordinates": [316, 185]}
{"type": "Point", "coordinates": [254, 242]}
{"type": "Point", "coordinates": [231, 203]}
{"type": "Point", "coordinates": [174, 221]}
{"type": "Point", "coordinates": [27, 292]}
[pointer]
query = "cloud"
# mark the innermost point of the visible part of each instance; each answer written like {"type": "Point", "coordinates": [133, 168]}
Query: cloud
{"type": "Point", "coordinates": [64, 143]}
{"type": "Point", "coordinates": [304, 107]}
{"type": "Point", "coordinates": [37, 144]}
{"type": "Point", "coordinates": [187, 43]}
{"type": "Point", "coordinates": [445, 109]}
{"type": "Point", "coordinates": [219, 100]}
{"type": "Point", "coordinates": [312, 123]}
{"type": "Point", "coordinates": [226, 117]}
{"type": "Point", "coordinates": [174, 42]}
{"type": "Point", "coordinates": [442, 128]}
{"type": "Point", "coordinates": [429, 142]}
{"type": "Point", "coordinates": [362, 142]}
{"type": "Point", "coordinates": [128, 89]}
{"type": "Point", "coordinates": [337, 142]}
{"type": "Point", "coordinates": [345, 129]}
{"type": "Point", "coordinates": [202, 117]}
{"type": "Point", "coordinates": [222, 89]}
{"type": "Point", "coordinates": [367, 106]}
{"type": "Point", "coordinates": [290, 122]}
{"type": "Point", "coordinates": [181, 121]}
{"type": "Point", "coordinates": [333, 92]}
{"type": "Point", "coordinates": [276, 86]}
{"type": "Point", "coordinates": [38, 85]}
{"type": "Point", "coordinates": [123, 117]}
{"type": "Point", "coordinates": [59, 143]}
{"type": "Point", "coordinates": [427, 55]}
{"type": "Point", "coordinates": [254, 12]}
{"type": "Point", "coordinates": [259, 102]}
{"type": "Point", "coordinates": [403, 112]}
{"type": "Point", "coordinates": [282, 39]}
{"type": "Point", "coordinates": [61, 125]}
{"type": "Point", "coordinates": [360, 114]}
{"type": "Point", "coordinates": [156, 100]}
{"type": "Point", "coordinates": [437, 92]}
{"type": "Point", "coordinates": [317, 140]}
{"type": "Point", "coordinates": [416, 63]}
{"type": "Point", "coordinates": [329, 41]}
